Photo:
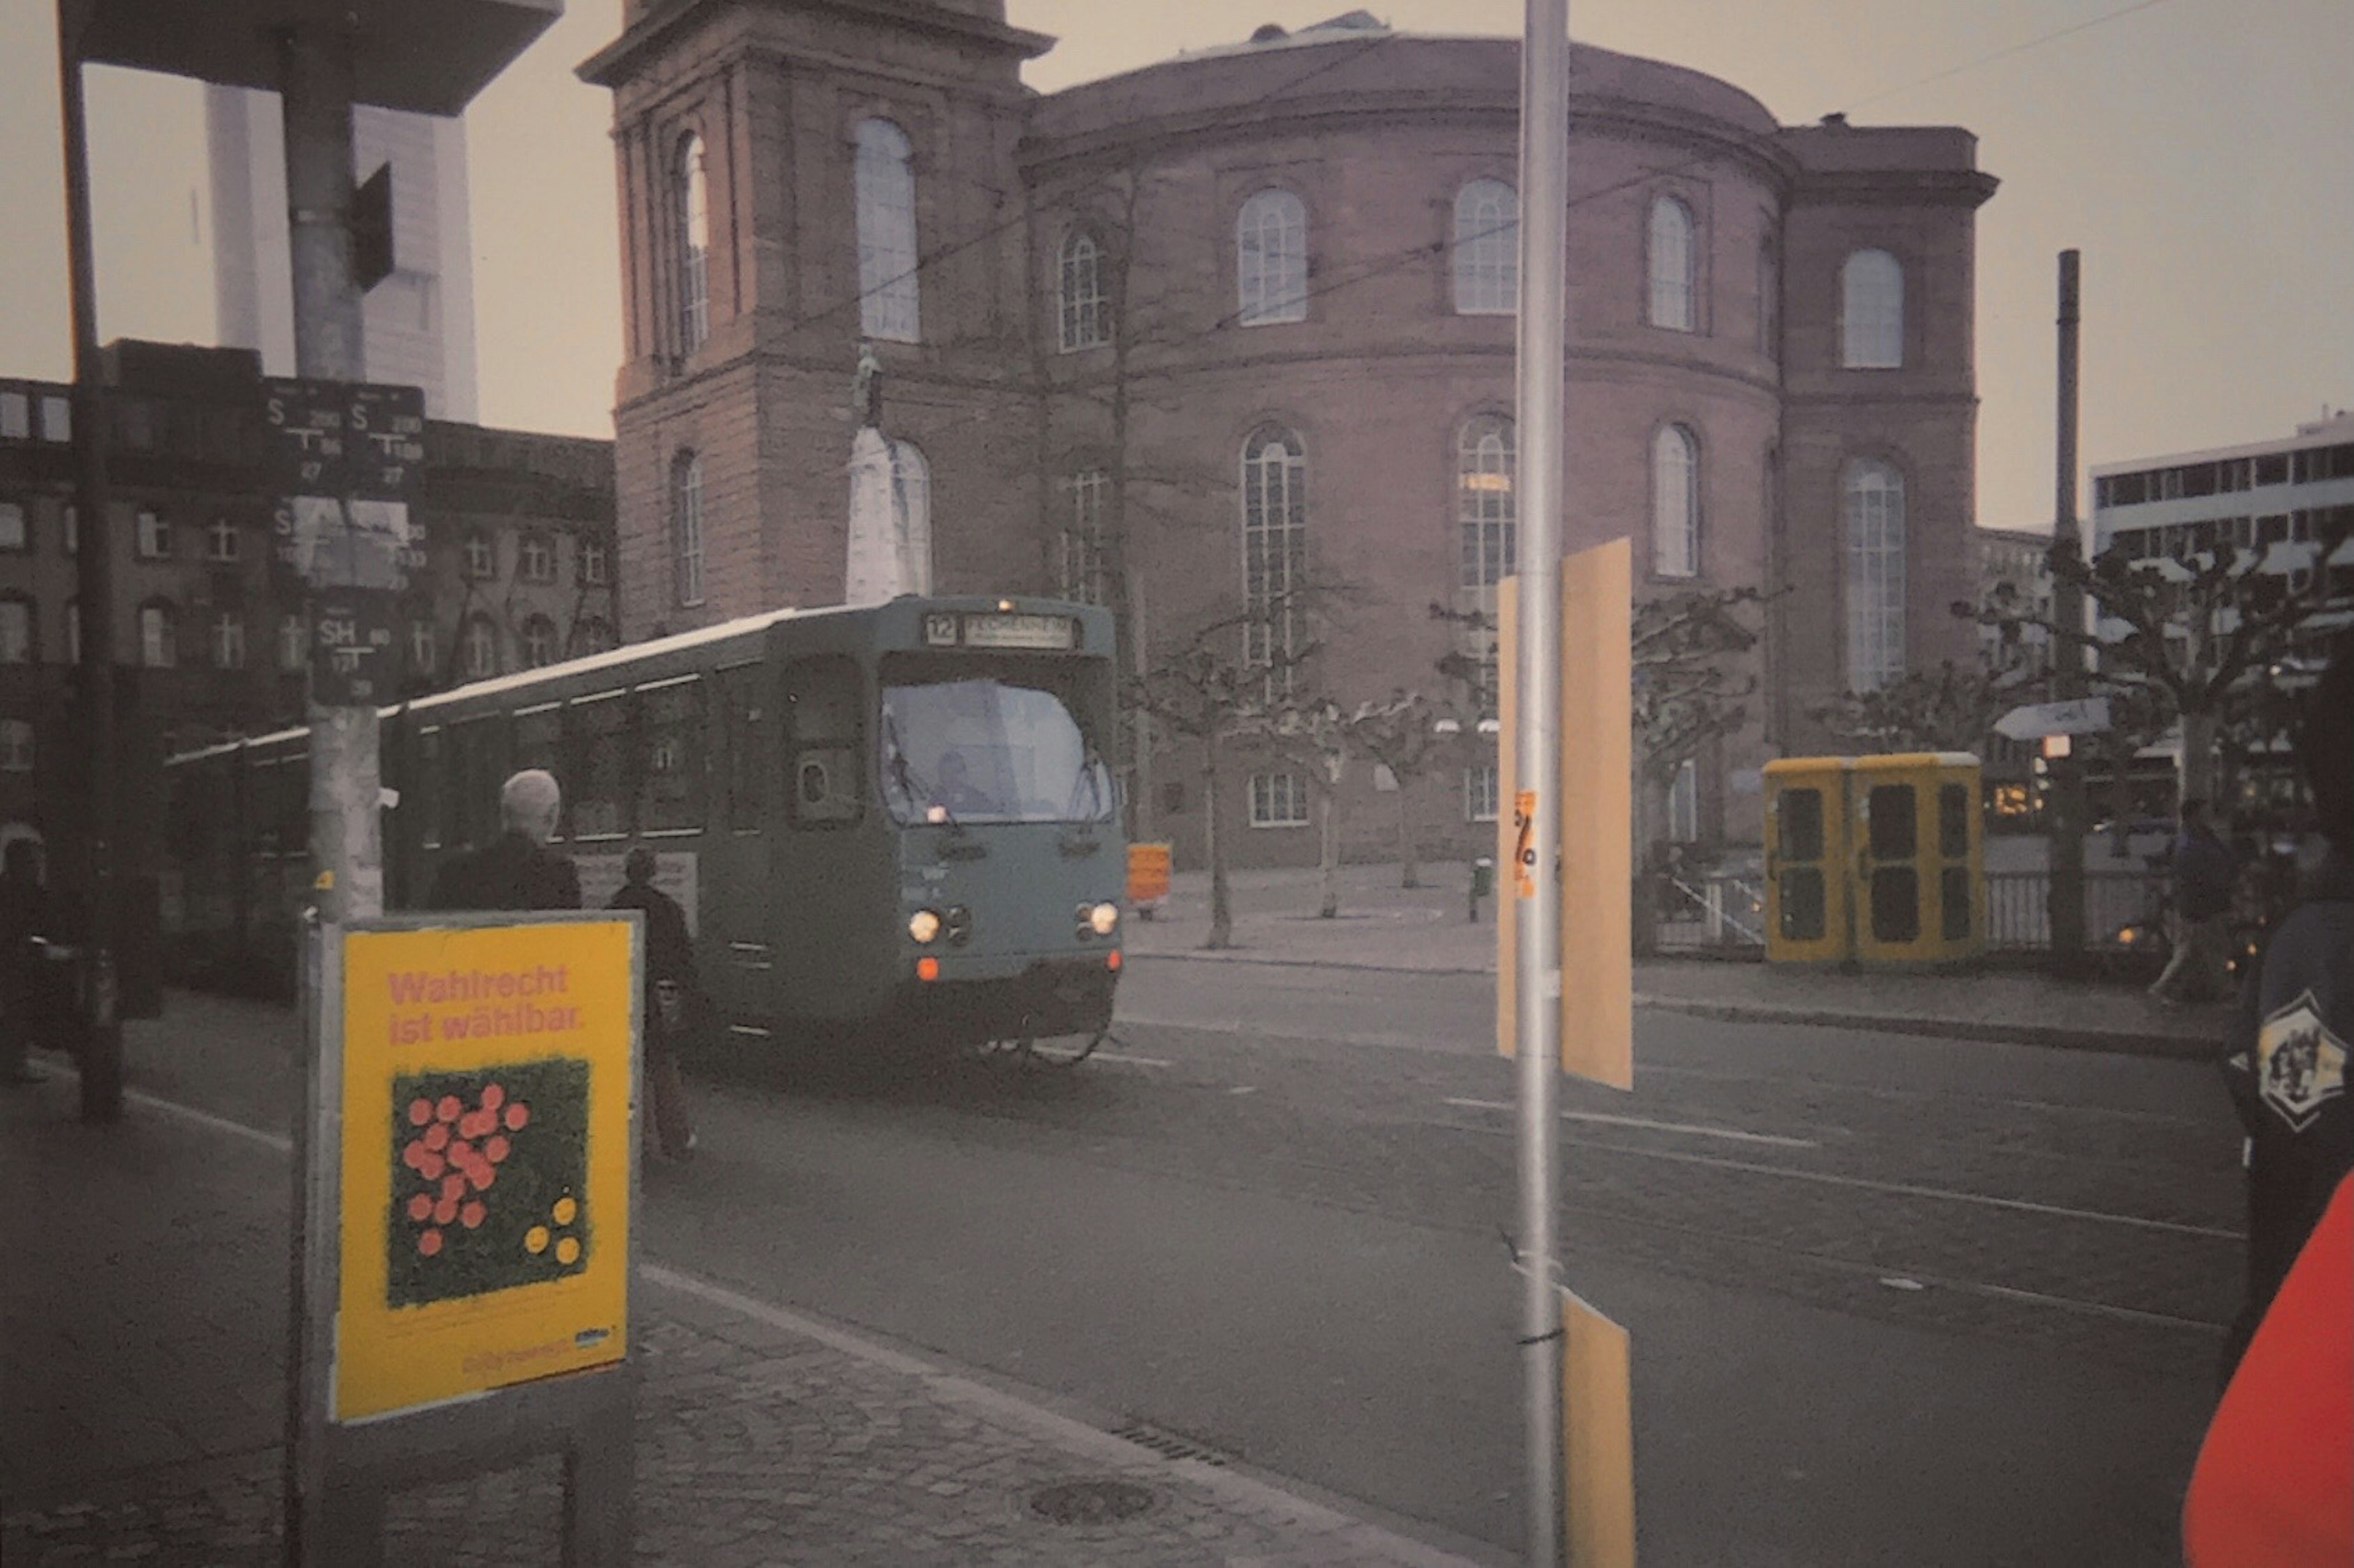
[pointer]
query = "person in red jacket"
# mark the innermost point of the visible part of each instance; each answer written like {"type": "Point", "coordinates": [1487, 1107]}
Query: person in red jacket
{"type": "Point", "coordinates": [2275, 1483]}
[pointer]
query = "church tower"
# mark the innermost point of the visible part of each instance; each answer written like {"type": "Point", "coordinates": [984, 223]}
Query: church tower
{"type": "Point", "coordinates": [801, 179]}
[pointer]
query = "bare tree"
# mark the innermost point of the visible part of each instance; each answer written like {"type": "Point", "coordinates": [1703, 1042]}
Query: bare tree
{"type": "Point", "coordinates": [1310, 735]}
{"type": "Point", "coordinates": [2194, 634]}
{"type": "Point", "coordinates": [1691, 688]}
{"type": "Point", "coordinates": [1950, 709]}
{"type": "Point", "coordinates": [1209, 690]}
{"type": "Point", "coordinates": [1400, 734]}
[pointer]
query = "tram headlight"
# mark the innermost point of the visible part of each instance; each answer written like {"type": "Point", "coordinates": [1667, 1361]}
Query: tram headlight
{"type": "Point", "coordinates": [924, 924]}
{"type": "Point", "coordinates": [1103, 920]}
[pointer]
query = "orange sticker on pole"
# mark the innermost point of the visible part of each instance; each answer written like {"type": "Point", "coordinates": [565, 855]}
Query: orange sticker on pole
{"type": "Point", "coordinates": [1524, 851]}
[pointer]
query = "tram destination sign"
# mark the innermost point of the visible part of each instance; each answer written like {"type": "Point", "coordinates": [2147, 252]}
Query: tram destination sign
{"type": "Point", "coordinates": [1057, 633]}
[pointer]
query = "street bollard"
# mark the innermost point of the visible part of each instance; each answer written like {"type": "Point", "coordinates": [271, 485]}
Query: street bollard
{"type": "Point", "coordinates": [1483, 882]}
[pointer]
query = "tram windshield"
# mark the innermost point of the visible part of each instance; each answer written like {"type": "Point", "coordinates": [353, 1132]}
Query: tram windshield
{"type": "Point", "coordinates": [1011, 745]}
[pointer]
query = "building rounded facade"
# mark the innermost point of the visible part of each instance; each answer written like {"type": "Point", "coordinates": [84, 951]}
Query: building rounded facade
{"type": "Point", "coordinates": [1262, 354]}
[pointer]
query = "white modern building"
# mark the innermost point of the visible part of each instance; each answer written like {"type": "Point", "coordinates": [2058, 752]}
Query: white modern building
{"type": "Point", "coordinates": [419, 321]}
{"type": "Point", "coordinates": [2282, 496]}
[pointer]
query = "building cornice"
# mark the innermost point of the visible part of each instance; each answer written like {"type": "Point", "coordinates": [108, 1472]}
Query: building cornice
{"type": "Point", "coordinates": [1079, 150]}
{"type": "Point", "coordinates": [1894, 187]}
{"type": "Point", "coordinates": [608, 66]}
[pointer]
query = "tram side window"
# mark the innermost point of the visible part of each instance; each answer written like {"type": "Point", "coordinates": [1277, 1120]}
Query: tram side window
{"type": "Point", "coordinates": [670, 766]}
{"type": "Point", "coordinates": [293, 805]}
{"type": "Point", "coordinates": [422, 800]}
{"type": "Point", "coordinates": [743, 693]}
{"type": "Point", "coordinates": [477, 770]}
{"type": "Point", "coordinates": [598, 782]}
{"type": "Point", "coordinates": [539, 742]}
{"type": "Point", "coordinates": [821, 720]}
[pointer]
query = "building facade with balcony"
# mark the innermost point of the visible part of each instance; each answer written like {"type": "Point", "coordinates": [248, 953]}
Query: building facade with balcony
{"type": "Point", "coordinates": [209, 639]}
{"type": "Point", "coordinates": [1232, 335]}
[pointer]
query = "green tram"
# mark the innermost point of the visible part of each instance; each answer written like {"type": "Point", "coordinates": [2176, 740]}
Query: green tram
{"type": "Point", "coordinates": [885, 823]}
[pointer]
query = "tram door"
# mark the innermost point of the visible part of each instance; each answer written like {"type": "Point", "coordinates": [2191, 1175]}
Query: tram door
{"type": "Point", "coordinates": [1806, 884]}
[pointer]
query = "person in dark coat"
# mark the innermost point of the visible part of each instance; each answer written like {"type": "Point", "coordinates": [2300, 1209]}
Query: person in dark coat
{"type": "Point", "coordinates": [671, 999]}
{"type": "Point", "coordinates": [2204, 875]}
{"type": "Point", "coordinates": [516, 870]}
{"type": "Point", "coordinates": [28, 915]}
{"type": "Point", "coordinates": [2286, 1061]}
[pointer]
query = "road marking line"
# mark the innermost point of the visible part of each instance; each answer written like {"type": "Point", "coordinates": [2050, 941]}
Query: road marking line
{"type": "Point", "coordinates": [1133, 1061]}
{"type": "Point", "coordinates": [1947, 1194]}
{"type": "Point", "coordinates": [1694, 1129]}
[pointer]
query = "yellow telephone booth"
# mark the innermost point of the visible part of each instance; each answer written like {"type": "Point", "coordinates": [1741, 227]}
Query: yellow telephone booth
{"type": "Point", "coordinates": [1879, 859]}
{"type": "Point", "coordinates": [1806, 860]}
{"type": "Point", "coordinates": [1919, 894]}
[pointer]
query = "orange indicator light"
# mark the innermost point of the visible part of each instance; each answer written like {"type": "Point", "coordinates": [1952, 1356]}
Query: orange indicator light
{"type": "Point", "coordinates": [928, 969]}
{"type": "Point", "coordinates": [1111, 959]}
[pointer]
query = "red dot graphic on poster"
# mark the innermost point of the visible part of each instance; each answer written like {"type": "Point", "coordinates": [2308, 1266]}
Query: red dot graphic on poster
{"type": "Point", "coordinates": [520, 1129]}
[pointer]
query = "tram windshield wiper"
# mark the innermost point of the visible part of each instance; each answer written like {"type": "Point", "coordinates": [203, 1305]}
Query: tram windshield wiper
{"type": "Point", "coordinates": [910, 786]}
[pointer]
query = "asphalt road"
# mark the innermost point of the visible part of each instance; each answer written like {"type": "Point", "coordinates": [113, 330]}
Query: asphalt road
{"type": "Point", "coordinates": [1891, 1301]}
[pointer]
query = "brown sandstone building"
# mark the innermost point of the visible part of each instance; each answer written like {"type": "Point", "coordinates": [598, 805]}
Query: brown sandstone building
{"type": "Point", "coordinates": [1238, 327]}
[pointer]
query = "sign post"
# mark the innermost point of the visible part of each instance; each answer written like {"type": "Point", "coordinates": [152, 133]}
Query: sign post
{"type": "Point", "coordinates": [469, 1172]}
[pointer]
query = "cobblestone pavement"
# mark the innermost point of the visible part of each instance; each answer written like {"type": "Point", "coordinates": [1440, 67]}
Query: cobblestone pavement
{"type": "Point", "coordinates": [144, 1314]}
{"type": "Point", "coordinates": [1382, 925]}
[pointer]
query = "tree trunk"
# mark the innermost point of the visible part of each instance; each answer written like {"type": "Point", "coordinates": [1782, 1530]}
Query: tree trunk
{"type": "Point", "coordinates": [1645, 890]}
{"type": "Point", "coordinates": [1410, 874]}
{"type": "Point", "coordinates": [2195, 777]}
{"type": "Point", "coordinates": [1328, 858]}
{"type": "Point", "coordinates": [1222, 913]}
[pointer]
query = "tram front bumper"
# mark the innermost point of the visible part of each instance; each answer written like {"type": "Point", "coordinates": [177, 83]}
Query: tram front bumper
{"type": "Point", "coordinates": [1043, 998]}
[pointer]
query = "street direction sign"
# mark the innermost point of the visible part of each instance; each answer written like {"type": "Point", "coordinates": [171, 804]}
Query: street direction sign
{"type": "Point", "coordinates": [2083, 715]}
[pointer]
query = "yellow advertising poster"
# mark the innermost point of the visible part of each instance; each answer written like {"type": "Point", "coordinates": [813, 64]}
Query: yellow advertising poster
{"type": "Point", "coordinates": [487, 1077]}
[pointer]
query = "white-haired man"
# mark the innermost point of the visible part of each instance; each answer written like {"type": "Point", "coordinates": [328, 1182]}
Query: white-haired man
{"type": "Point", "coordinates": [516, 870]}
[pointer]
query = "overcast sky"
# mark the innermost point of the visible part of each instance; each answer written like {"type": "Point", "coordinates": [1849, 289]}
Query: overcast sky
{"type": "Point", "coordinates": [2199, 153]}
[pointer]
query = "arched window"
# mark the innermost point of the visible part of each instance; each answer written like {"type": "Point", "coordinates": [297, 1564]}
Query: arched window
{"type": "Point", "coordinates": [424, 651]}
{"type": "Point", "coordinates": [911, 481]}
{"type": "Point", "coordinates": [1871, 318]}
{"type": "Point", "coordinates": [73, 632]}
{"type": "Point", "coordinates": [17, 643]}
{"type": "Point", "coordinates": [1487, 249]}
{"type": "Point", "coordinates": [221, 542]}
{"type": "Point", "coordinates": [1675, 502]}
{"type": "Point", "coordinates": [477, 648]}
{"type": "Point", "coordinates": [293, 643]}
{"type": "Point", "coordinates": [226, 637]}
{"type": "Point", "coordinates": [16, 745]}
{"type": "Point", "coordinates": [1086, 574]}
{"type": "Point", "coordinates": [1486, 513]}
{"type": "Point", "coordinates": [686, 528]}
{"type": "Point", "coordinates": [886, 233]}
{"type": "Point", "coordinates": [591, 636]}
{"type": "Point", "coordinates": [694, 198]}
{"type": "Point", "coordinates": [1487, 526]}
{"type": "Point", "coordinates": [1275, 550]}
{"type": "Point", "coordinates": [539, 642]}
{"type": "Point", "coordinates": [481, 556]}
{"type": "Point", "coordinates": [1872, 507]}
{"type": "Point", "coordinates": [1674, 266]}
{"type": "Point", "coordinates": [159, 635]}
{"type": "Point", "coordinates": [1085, 322]}
{"type": "Point", "coordinates": [1271, 259]}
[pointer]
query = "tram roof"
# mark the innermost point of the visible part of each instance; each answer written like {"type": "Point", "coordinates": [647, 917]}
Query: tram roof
{"type": "Point", "coordinates": [630, 653]}
{"type": "Point", "coordinates": [610, 658]}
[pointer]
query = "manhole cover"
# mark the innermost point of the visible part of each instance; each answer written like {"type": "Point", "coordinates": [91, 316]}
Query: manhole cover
{"type": "Point", "coordinates": [1092, 1502]}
